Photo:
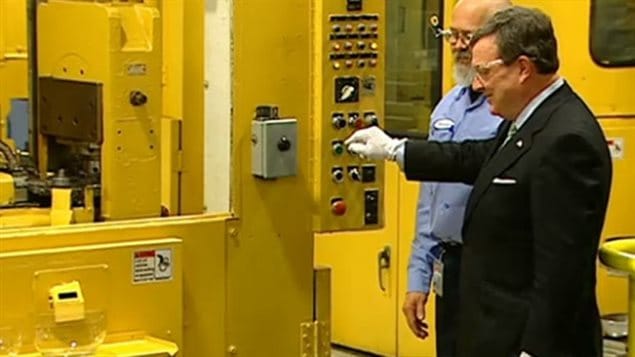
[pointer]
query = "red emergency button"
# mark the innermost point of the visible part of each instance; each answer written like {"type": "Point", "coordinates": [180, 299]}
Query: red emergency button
{"type": "Point", "coordinates": [338, 207]}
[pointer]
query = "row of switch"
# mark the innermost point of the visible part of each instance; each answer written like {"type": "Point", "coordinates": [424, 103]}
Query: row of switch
{"type": "Point", "coordinates": [367, 173]}
{"type": "Point", "coordinates": [354, 120]}
{"type": "Point", "coordinates": [348, 45]}
{"type": "Point", "coordinates": [349, 27]}
{"type": "Point", "coordinates": [360, 64]}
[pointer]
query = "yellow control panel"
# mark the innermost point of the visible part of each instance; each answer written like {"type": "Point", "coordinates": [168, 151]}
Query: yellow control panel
{"type": "Point", "coordinates": [348, 94]}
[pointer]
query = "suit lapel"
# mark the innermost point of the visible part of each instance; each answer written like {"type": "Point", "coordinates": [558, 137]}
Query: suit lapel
{"type": "Point", "coordinates": [502, 158]}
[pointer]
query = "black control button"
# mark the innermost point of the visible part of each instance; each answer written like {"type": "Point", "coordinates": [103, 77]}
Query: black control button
{"type": "Point", "coordinates": [339, 122]}
{"type": "Point", "coordinates": [284, 144]}
{"type": "Point", "coordinates": [368, 173]}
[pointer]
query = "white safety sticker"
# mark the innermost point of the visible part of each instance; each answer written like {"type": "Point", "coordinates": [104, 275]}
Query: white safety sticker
{"type": "Point", "coordinates": [152, 266]}
{"type": "Point", "coordinates": [616, 147]}
{"type": "Point", "coordinates": [137, 69]}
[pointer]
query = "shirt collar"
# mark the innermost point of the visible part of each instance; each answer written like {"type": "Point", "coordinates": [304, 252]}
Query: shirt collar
{"type": "Point", "coordinates": [464, 91]}
{"type": "Point", "coordinates": [541, 97]}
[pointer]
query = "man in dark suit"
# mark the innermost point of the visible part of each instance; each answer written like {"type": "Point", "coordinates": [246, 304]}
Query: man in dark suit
{"type": "Point", "coordinates": [541, 187]}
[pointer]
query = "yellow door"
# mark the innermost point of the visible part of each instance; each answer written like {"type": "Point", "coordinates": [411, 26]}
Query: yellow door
{"type": "Point", "coordinates": [364, 277]}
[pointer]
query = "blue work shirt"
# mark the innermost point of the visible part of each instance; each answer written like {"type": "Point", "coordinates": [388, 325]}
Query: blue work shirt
{"type": "Point", "coordinates": [441, 206]}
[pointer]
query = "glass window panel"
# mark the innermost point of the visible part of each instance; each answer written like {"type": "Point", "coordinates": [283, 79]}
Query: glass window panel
{"type": "Point", "coordinates": [613, 32]}
{"type": "Point", "coordinates": [413, 66]}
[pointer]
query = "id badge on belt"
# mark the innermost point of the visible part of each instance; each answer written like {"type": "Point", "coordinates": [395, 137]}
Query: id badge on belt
{"type": "Point", "coordinates": [437, 277]}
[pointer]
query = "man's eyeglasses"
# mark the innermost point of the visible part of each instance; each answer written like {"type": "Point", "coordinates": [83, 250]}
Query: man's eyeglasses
{"type": "Point", "coordinates": [454, 36]}
{"type": "Point", "coordinates": [483, 70]}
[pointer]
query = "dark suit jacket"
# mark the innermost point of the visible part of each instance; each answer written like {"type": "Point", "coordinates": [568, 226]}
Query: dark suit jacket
{"type": "Point", "coordinates": [531, 230]}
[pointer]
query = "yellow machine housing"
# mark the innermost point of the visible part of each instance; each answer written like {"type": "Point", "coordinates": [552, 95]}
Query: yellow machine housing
{"type": "Point", "coordinates": [100, 101]}
{"type": "Point", "coordinates": [7, 189]}
{"type": "Point", "coordinates": [348, 94]}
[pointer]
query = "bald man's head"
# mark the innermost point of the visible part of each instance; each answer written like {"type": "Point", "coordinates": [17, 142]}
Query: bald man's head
{"type": "Point", "coordinates": [474, 13]}
{"type": "Point", "coordinates": [467, 17]}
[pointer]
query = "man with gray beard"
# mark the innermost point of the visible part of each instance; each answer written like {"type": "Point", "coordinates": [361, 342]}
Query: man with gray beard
{"type": "Point", "coordinates": [462, 114]}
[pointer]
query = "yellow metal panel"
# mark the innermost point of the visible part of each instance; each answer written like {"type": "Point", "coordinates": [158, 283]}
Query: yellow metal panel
{"type": "Point", "coordinates": [407, 343]}
{"type": "Point", "coordinates": [191, 178]}
{"type": "Point", "coordinates": [154, 307]}
{"type": "Point", "coordinates": [203, 270]}
{"type": "Point", "coordinates": [121, 49]}
{"type": "Point", "coordinates": [371, 23]}
{"type": "Point", "coordinates": [612, 290]}
{"type": "Point", "coordinates": [270, 289]}
{"type": "Point", "coordinates": [172, 15]}
{"type": "Point", "coordinates": [7, 189]}
{"type": "Point", "coordinates": [13, 57]}
{"type": "Point", "coordinates": [364, 316]}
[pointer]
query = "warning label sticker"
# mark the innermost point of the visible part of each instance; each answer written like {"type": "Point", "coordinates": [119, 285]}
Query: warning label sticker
{"type": "Point", "coordinates": [616, 146]}
{"type": "Point", "coordinates": [151, 266]}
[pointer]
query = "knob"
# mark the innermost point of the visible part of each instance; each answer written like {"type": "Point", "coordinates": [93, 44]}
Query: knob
{"type": "Point", "coordinates": [348, 63]}
{"type": "Point", "coordinates": [347, 92]}
{"type": "Point", "coordinates": [336, 28]}
{"type": "Point", "coordinates": [338, 207]}
{"type": "Point", "coordinates": [339, 122]}
{"type": "Point", "coordinates": [336, 47]}
{"type": "Point", "coordinates": [353, 173]}
{"type": "Point", "coordinates": [361, 45]}
{"type": "Point", "coordinates": [284, 144]}
{"type": "Point", "coordinates": [373, 27]}
{"type": "Point", "coordinates": [137, 98]}
{"type": "Point", "coordinates": [338, 148]}
{"type": "Point", "coordinates": [361, 27]}
{"type": "Point", "coordinates": [372, 62]}
{"type": "Point", "coordinates": [361, 63]}
{"type": "Point", "coordinates": [336, 65]}
{"type": "Point", "coordinates": [371, 119]}
{"type": "Point", "coordinates": [349, 27]}
{"type": "Point", "coordinates": [348, 45]}
{"type": "Point", "coordinates": [374, 46]}
{"type": "Point", "coordinates": [337, 175]}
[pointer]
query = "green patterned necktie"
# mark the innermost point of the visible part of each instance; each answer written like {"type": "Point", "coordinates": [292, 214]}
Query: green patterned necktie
{"type": "Point", "coordinates": [513, 129]}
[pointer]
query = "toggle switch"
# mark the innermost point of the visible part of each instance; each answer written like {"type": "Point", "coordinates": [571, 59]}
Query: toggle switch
{"type": "Point", "coordinates": [354, 120]}
{"type": "Point", "coordinates": [353, 173]}
{"type": "Point", "coordinates": [338, 206]}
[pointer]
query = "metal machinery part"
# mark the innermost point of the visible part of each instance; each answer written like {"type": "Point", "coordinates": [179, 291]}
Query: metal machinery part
{"type": "Point", "coordinates": [348, 94]}
{"type": "Point", "coordinates": [99, 104]}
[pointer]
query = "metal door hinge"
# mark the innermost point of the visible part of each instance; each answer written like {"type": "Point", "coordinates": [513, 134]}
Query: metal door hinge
{"type": "Point", "coordinates": [315, 339]}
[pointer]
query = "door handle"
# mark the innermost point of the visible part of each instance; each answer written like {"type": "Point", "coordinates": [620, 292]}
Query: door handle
{"type": "Point", "coordinates": [383, 262]}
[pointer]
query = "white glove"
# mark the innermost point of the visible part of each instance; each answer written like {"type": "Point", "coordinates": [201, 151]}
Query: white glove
{"type": "Point", "coordinates": [372, 143]}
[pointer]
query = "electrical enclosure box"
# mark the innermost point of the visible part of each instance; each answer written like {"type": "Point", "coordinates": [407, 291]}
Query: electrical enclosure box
{"type": "Point", "coordinates": [274, 148]}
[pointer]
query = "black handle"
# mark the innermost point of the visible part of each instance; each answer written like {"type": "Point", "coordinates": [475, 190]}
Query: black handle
{"type": "Point", "coordinates": [383, 262]}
